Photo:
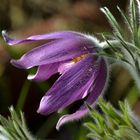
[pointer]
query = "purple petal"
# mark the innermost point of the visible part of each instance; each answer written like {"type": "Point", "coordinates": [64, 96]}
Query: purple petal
{"type": "Point", "coordinates": [68, 118]}
{"type": "Point", "coordinates": [71, 86]}
{"type": "Point", "coordinates": [56, 51]}
{"type": "Point", "coordinates": [95, 92]}
{"type": "Point", "coordinates": [44, 72]}
{"type": "Point", "coordinates": [65, 66]}
{"type": "Point", "coordinates": [100, 84]}
{"type": "Point", "coordinates": [49, 36]}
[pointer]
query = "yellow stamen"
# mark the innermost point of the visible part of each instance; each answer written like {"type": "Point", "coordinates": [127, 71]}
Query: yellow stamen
{"type": "Point", "coordinates": [79, 58]}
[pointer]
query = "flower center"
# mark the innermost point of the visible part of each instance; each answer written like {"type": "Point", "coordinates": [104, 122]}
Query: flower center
{"type": "Point", "coordinates": [79, 58]}
{"type": "Point", "coordinates": [65, 66]}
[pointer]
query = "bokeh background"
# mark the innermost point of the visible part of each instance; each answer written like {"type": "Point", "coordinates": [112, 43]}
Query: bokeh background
{"type": "Point", "coordinates": [23, 18]}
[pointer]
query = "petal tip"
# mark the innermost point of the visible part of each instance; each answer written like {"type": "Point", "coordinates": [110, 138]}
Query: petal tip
{"type": "Point", "coordinates": [59, 123]}
{"type": "Point", "coordinates": [31, 77]}
{"type": "Point", "coordinates": [71, 117]}
{"type": "Point", "coordinates": [39, 111]}
{"type": "Point", "coordinates": [64, 119]}
{"type": "Point", "coordinates": [16, 63]}
{"type": "Point", "coordinates": [43, 107]}
{"type": "Point", "coordinates": [6, 38]}
{"type": "Point", "coordinates": [22, 64]}
{"type": "Point", "coordinates": [3, 32]}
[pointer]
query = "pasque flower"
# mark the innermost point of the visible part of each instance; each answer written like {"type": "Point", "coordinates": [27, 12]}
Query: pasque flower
{"type": "Point", "coordinates": [83, 74]}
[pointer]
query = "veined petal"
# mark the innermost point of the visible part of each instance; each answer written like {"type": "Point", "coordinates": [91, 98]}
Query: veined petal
{"type": "Point", "coordinates": [95, 92]}
{"type": "Point", "coordinates": [49, 36]}
{"type": "Point", "coordinates": [71, 86]}
{"type": "Point", "coordinates": [65, 66]}
{"type": "Point", "coordinates": [100, 83]}
{"type": "Point", "coordinates": [55, 51]}
{"type": "Point", "coordinates": [44, 72]}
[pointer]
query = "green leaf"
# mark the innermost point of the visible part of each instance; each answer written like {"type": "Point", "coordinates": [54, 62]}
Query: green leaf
{"type": "Point", "coordinates": [117, 29]}
{"type": "Point", "coordinates": [14, 128]}
{"type": "Point", "coordinates": [134, 22]}
{"type": "Point", "coordinates": [127, 133]}
{"type": "Point", "coordinates": [113, 124]}
{"type": "Point", "coordinates": [94, 136]}
{"type": "Point", "coordinates": [92, 127]}
{"type": "Point", "coordinates": [126, 20]}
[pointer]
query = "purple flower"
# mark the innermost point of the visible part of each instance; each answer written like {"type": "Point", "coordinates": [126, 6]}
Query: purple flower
{"type": "Point", "coordinates": [83, 74]}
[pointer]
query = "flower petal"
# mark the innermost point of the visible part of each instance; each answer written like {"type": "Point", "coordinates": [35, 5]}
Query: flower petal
{"type": "Point", "coordinates": [65, 66]}
{"type": "Point", "coordinates": [95, 92]}
{"type": "Point", "coordinates": [44, 72]}
{"type": "Point", "coordinates": [71, 86]}
{"type": "Point", "coordinates": [55, 51]}
{"type": "Point", "coordinates": [67, 118]}
{"type": "Point", "coordinates": [49, 36]}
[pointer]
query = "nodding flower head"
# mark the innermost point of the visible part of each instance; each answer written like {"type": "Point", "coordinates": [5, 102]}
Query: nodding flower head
{"type": "Point", "coordinates": [83, 74]}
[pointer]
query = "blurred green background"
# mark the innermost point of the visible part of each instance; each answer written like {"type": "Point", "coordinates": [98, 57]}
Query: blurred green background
{"type": "Point", "coordinates": [23, 18]}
